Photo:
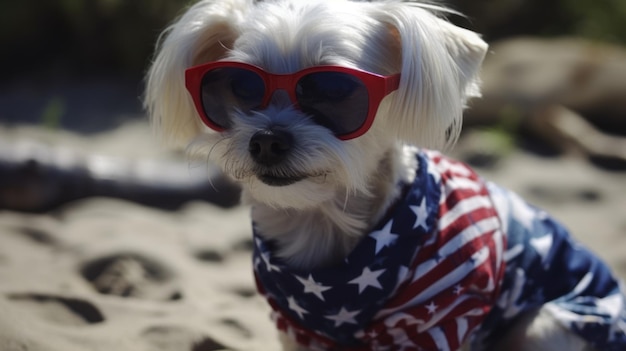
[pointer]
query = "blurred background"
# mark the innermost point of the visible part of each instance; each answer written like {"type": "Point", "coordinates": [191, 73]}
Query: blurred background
{"type": "Point", "coordinates": [78, 64]}
{"type": "Point", "coordinates": [74, 68]}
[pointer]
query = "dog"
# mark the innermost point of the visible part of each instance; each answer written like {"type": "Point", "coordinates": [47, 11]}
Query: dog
{"type": "Point", "coordinates": [327, 113]}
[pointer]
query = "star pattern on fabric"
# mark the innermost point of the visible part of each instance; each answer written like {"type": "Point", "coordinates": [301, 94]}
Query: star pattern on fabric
{"type": "Point", "coordinates": [343, 316]}
{"type": "Point", "coordinates": [421, 212]}
{"type": "Point", "coordinates": [431, 307]}
{"type": "Point", "coordinates": [458, 289]}
{"type": "Point", "coordinates": [384, 237]}
{"type": "Point", "coordinates": [266, 259]}
{"type": "Point", "coordinates": [406, 259]}
{"type": "Point", "coordinates": [368, 278]}
{"type": "Point", "coordinates": [293, 305]}
{"type": "Point", "coordinates": [543, 245]}
{"type": "Point", "coordinates": [313, 287]}
{"type": "Point", "coordinates": [265, 256]}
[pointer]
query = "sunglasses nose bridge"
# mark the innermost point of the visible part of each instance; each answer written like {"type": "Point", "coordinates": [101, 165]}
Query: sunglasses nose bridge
{"type": "Point", "coordinates": [280, 97]}
{"type": "Point", "coordinates": [281, 90]}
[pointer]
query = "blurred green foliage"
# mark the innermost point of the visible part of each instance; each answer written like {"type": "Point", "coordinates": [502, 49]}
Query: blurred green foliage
{"type": "Point", "coordinates": [598, 19]}
{"type": "Point", "coordinates": [77, 36]}
{"type": "Point", "coordinates": [53, 112]}
{"type": "Point", "coordinates": [603, 20]}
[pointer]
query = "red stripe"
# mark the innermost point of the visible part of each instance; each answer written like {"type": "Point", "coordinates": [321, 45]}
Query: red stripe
{"type": "Point", "coordinates": [479, 276]}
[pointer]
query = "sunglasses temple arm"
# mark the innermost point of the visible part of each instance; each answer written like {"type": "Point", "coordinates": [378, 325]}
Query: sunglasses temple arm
{"type": "Point", "coordinates": [392, 83]}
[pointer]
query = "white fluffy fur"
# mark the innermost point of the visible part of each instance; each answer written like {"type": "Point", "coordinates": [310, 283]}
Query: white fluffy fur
{"type": "Point", "coordinates": [348, 185]}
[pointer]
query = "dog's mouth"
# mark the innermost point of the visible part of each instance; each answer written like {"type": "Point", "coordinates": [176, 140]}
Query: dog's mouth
{"type": "Point", "coordinates": [276, 180]}
{"type": "Point", "coordinates": [283, 179]}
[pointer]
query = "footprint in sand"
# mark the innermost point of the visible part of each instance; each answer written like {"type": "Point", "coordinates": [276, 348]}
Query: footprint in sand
{"type": "Point", "coordinates": [209, 256]}
{"type": "Point", "coordinates": [207, 345]}
{"type": "Point", "coordinates": [131, 275]}
{"type": "Point", "coordinates": [37, 235]}
{"type": "Point", "coordinates": [174, 338]}
{"type": "Point", "coordinates": [59, 310]}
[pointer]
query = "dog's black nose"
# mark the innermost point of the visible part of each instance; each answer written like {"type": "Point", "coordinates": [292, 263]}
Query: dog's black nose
{"type": "Point", "coordinates": [270, 146]}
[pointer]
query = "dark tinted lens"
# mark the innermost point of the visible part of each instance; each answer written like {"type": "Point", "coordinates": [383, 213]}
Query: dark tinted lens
{"type": "Point", "coordinates": [225, 89]}
{"type": "Point", "coordinates": [336, 100]}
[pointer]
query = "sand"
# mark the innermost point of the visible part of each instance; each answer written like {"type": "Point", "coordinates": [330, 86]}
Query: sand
{"type": "Point", "coordinates": [107, 274]}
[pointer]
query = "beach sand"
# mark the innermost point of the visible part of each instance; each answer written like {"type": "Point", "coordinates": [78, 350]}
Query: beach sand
{"type": "Point", "coordinates": [108, 274]}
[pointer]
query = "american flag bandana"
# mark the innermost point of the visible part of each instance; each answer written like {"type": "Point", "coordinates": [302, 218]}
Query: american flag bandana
{"type": "Point", "coordinates": [458, 259]}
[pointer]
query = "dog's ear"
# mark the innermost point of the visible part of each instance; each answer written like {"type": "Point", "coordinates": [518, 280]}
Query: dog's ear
{"type": "Point", "coordinates": [204, 33]}
{"type": "Point", "coordinates": [439, 73]}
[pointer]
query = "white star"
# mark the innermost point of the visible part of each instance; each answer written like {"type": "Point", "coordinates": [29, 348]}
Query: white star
{"type": "Point", "coordinates": [431, 307]}
{"type": "Point", "coordinates": [384, 237]}
{"type": "Point", "coordinates": [458, 289]}
{"type": "Point", "coordinates": [313, 287]}
{"type": "Point", "coordinates": [259, 243]}
{"type": "Point", "coordinates": [368, 278]}
{"type": "Point", "coordinates": [421, 212]}
{"type": "Point", "coordinates": [266, 258]}
{"type": "Point", "coordinates": [296, 308]}
{"type": "Point", "coordinates": [344, 316]}
{"type": "Point", "coordinates": [543, 245]}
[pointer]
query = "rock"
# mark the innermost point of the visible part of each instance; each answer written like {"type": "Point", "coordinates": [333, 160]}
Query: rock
{"type": "Point", "coordinates": [40, 175]}
{"type": "Point", "coordinates": [524, 74]}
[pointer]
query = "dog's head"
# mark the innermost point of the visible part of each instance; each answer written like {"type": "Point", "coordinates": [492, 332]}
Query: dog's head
{"type": "Point", "coordinates": [300, 100]}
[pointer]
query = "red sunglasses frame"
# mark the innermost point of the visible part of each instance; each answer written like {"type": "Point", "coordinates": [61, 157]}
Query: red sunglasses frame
{"type": "Point", "coordinates": [378, 86]}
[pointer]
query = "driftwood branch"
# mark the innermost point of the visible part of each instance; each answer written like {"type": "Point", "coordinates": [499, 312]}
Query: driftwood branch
{"type": "Point", "coordinates": [567, 129]}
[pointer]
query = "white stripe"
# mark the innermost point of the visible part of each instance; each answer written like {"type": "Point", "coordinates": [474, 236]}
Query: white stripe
{"type": "Point", "coordinates": [445, 282]}
{"type": "Point", "coordinates": [396, 318]}
{"type": "Point", "coordinates": [454, 276]}
{"type": "Point", "coordinates": [462, 208]}
{"type": "Point", "coordinates": [461, 329]}
{"type": "Point", "coordinates": [579, 288]}
{"type": "Point", "coordinates": [424, 268]}
{"type": "Point", "coordinates": [458, 168]}
{"type": "Point", "coordinates": [440, 338]}
{"type": "Point", "coordinates": [468, 234]}
{"type": "Point", "coordinates": [499, 242]}
{"type": "Point", "coordinates": [455, 184]}
{"type": "Point", "coordinates": [513, 252]}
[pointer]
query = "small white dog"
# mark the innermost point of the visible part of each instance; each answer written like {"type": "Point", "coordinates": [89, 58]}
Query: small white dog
{"type": "Point", "coordinates": [362, 241]}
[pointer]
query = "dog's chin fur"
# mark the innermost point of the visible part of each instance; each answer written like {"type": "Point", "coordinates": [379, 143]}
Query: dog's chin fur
{"type": "Point", "coordinates": [331, 192]}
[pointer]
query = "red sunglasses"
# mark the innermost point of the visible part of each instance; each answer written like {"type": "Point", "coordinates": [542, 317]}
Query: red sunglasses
{"type": "Point", "coordinates": [344, 100]}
